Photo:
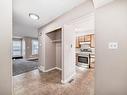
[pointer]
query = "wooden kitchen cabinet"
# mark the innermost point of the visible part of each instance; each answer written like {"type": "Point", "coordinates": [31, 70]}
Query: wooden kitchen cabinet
{"type": "Point", "coordinates": [87, 38]}
{"type": "Point", "coordinates": [92, 41]}
{"type": "Point", "coordinates": [77, 42]}
{"type": "Point", "coordinates": [81, 38]}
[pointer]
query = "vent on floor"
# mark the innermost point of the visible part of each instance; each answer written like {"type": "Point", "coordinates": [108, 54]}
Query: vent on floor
{"type": "Point", "coordinates": [71, 80]}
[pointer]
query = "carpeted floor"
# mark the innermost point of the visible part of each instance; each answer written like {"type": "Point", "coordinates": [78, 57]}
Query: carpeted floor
{"type": "Point", "coordinates": [22, 66]}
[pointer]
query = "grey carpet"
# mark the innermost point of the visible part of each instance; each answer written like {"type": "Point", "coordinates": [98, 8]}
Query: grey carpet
{"type": "Point", "coordinates": [22, 66]}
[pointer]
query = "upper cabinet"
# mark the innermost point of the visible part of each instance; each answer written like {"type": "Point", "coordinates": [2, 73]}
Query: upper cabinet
{"type": "Point", "coordinates": [81, 38]}
{"type": "Point", "coordinates": [87, 38]}
{"type": "Point", "coordinates": [77, 42]}
{"type": "Point", "coordinates": [92, 41]}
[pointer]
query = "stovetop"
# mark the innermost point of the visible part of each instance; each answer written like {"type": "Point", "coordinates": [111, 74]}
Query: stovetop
{"type": "Point", "coordinates": [86, 50]}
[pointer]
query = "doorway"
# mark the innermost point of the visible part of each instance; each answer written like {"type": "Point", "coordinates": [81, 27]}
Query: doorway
{"type": "Point", "coordinates": [80, 51]}
{"type": "Point", "coordinates": [85, 49]}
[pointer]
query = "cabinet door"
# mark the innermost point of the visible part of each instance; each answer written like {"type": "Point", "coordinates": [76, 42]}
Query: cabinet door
{"type": "Point", "coordinates": [87, 38]}
{"type": "Point", "coordinates": [81, 38]}
{"type": "Point", "coordinates": [77, 42]}
{"type": "Point", "coordinates": [93, 41]}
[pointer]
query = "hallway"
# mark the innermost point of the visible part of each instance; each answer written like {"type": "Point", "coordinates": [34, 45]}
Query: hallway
{"type": "Point", "coordinates": [39, 83]}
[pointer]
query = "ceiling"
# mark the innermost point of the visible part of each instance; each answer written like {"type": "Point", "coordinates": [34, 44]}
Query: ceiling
{"type": "Point", "coordinates": [99, 3]}
{"type": "Point", "coordinates": [47, 10]}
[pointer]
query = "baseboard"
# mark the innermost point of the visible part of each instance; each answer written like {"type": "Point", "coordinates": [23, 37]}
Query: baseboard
{"type": "Point", "coordinates": [41, 68]}
{"type": "Point", "coordinates": [58, 68]}
{"type": "Point", "coordinates": [68, 79]}
{"type": "Point", "coordinates": [50, 69]}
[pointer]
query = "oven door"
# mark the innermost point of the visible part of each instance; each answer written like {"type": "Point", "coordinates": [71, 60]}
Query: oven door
{"type": "Point", "coordinates": [83, 59]}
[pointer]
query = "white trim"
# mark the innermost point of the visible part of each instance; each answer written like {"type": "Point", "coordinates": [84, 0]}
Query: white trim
{"type": "Point", "coordinates": [100, 3]}
{"type": "Point", "coordinates": [58, 68]}
{"type": "Point", "coordinates": [49, 69]}
{"type": "Point", "coordinates": [52, 69]}
{"type": "Point", "coordinates": [68, 79]}
{"type": "Point", "coordinates": [41, 68]}
{"type": "Point", "coordinates": [62, 54]}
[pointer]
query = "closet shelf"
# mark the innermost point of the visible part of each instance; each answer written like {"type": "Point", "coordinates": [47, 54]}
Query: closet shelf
{"type": "Point", "coordinates": [56, 41]}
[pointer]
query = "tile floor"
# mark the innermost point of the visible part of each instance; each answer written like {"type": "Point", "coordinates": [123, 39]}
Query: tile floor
{"type": "Point", "coordinates": [39, 83]}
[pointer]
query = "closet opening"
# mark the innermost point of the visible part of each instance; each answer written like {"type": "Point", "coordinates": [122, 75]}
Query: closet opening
{"type": "Point", "coordinates": [53, 52]}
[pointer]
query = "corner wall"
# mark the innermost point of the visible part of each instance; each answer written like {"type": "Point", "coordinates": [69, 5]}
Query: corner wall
{"type": "Point", "coordinates": [111, 65]}
{"type": "Point", "coordinates": [5, 49]}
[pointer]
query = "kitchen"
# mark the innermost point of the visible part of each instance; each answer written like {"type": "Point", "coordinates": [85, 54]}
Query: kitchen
{"type": "Point", "coordinates": [85, 50]}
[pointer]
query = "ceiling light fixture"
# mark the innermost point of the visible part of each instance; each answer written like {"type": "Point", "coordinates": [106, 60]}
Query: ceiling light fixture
{"type": "Point", "coordinates": [34, 16]}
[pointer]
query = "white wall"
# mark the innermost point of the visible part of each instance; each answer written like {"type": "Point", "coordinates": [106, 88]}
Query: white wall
{"type": "Point", "coordinates": [59, 55]}
{"type": "Point", "coordinates": [68, 65]}
{"type": "Point", "coordinates": [59, 50]}
{"type": "Point", "coordinates": [111, 65]}
{"type": "Point", "coordinates": [20, 30]}
{"type": "Point", "coordinates": [85, 25]}
{"type": "Point", "coordinates": [41, 52]}
{"type": "Point", "coordinates": [50, 51]}
{"type": "Point", "coordinates": [5, 49]}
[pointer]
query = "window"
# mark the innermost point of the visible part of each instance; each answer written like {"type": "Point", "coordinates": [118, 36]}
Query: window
{"type": "Point", "coordinates": [34, 47]}
{"type": "Point", "coordinates": [17, 48]}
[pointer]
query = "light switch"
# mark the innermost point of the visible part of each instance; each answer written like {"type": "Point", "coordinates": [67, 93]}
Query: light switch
{"type": "Point", "coordinates": [113, 45]}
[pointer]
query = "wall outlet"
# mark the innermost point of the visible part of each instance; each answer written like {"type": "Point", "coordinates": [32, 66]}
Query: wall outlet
{"type": "Point", "coordinates": [113, 45]}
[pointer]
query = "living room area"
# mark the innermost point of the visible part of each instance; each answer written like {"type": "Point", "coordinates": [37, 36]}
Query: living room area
{"type": "Point", "coordinates": [24, 54]}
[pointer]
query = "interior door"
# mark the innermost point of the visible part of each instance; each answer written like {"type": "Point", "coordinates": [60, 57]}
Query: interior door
{"type": "Point", "coordinates": [68, 53]}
